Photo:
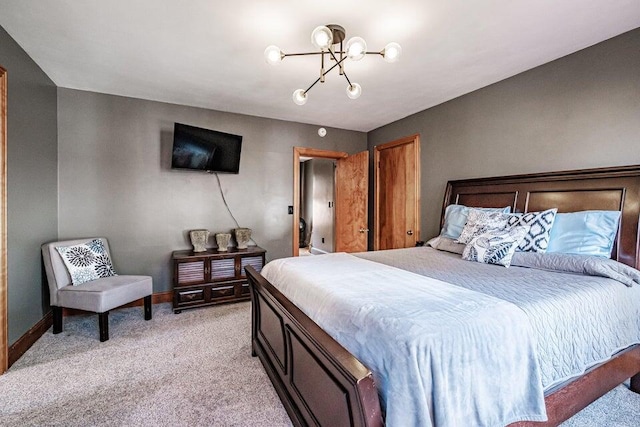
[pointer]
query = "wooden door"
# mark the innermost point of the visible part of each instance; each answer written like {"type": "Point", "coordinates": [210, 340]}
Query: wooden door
{"type": "Point", "coordinates": [352, 182]}
{"type": "Point", "coordinates": [397, 208]}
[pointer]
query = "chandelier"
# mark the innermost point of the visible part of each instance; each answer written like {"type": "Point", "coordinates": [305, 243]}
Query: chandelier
{"type": "Point", "coordinates": [329, 39]}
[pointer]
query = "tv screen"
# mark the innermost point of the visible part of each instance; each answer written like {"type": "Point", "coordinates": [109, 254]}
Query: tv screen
{"type": "Point", "coordinates": [206, 150]}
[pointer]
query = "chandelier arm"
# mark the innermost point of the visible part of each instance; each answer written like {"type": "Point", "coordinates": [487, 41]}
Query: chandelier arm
{"type": "Point", "coordinates": [344, 73]}
{"type": "Point", "coordinates": [325, 73]}
{"type": "Point", "coordinates": [302, 54]}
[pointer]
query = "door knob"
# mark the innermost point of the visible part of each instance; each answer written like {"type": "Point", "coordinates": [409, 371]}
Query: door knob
{"type": "Point", "coordinates": [410, 232]}
{"type": "Point", "coordinates": [364, 230]}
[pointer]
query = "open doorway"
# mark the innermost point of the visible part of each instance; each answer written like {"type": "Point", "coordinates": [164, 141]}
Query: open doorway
{"type": "Point", "coordinates": [350, 194]}
{"type": "Point", "coordinates": [317, 206]}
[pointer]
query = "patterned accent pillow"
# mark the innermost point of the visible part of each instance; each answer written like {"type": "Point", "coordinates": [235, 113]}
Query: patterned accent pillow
{"type": "Point", "coordinates": [481, 221]}
{"type": "Point", "coordinates": [540, 223]}
{"type": "Point", "coordinates": [87, 261]}
{"type": "Point", "coordinates": [495, 246]}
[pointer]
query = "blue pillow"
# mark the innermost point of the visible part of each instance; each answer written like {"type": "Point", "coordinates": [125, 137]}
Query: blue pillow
{"type": "Point", "coordinates": [584, 233]}
{"type": "Point", "coordinates": [455, 217]}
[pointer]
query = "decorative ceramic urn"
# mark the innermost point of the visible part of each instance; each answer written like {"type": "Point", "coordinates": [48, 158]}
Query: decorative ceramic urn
{"type": "Point", "coordinates": [243, 236]}
{"type": "Point", "coordinates": [199, 240]}
{"type": "Point", "coordinates": [222, 239]}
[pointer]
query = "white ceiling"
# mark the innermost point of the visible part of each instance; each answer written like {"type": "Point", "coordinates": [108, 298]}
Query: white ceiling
{"type": "Point", "coordinates": [210, 53]}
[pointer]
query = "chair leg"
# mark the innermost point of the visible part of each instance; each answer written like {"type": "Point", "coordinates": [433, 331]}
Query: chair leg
{"type": "Point", "coordinates": [635, 383]}
{"type": "Point", "coordinates": [147, 308]}
{"type": "Point", "coordinates": [103, 321]}
{"type": "Point", "coordinates": [57, 319]}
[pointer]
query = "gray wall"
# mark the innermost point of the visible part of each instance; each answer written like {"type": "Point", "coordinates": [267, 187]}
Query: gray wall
{"type": "Point", "coordinates": [115, 178]}
{"type": "Point", "coordinates": [580, 111]}
{"type": "Point", "coordinates": [32, 183]}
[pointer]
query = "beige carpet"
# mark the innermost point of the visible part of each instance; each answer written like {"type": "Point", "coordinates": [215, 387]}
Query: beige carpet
{"type": "Point", "coordinates": [188, 369]}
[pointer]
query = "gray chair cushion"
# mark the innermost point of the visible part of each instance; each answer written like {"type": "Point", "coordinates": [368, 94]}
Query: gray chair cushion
{"type": "Point", "coordinates": [105, 294]}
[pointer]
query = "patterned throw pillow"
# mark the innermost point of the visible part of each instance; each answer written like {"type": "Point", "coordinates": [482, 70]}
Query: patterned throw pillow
{"type": "Point", "coordinates": [86, 262]}
{"type": "Point", "coordinates": [540, 223]}
{"type": "Point", "coordinates": [481, 221]}
{"type": "Point", "coordinates": [495, 246]}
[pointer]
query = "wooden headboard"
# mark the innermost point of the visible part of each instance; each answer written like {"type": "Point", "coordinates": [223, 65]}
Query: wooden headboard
{"type": "Point", "coordinates": [616, 188]}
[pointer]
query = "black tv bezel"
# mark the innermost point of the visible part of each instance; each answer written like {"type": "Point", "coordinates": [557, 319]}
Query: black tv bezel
{"type": "Point", "coordinates": [237, 142]}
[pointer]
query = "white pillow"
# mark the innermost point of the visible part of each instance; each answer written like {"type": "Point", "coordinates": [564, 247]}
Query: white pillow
{"type": "Point", "coordinates": [540, 223]}
{"type": "Point", "coordinates": [87, 261]}
{"type": "Point", "coordinates": [481, 221]}
{"type": "Point", "coordinates": [495, 246]}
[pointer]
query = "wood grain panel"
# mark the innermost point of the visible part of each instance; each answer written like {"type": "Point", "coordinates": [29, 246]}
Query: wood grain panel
{"type": "Point", "coordinates": [4, 336]}
{"type": "Point", "coordinates": [352, 195]}
{"type": "Point", "coordinates": [572, 201]}
{"type": "Point", "coordinates": [271, 329]}
{"type": "Point", "coordinates": [397, 203]}
{"type": "Point", "coordinates": [488, 200]}
{"type": "Point", "coordinates": [308, 375]}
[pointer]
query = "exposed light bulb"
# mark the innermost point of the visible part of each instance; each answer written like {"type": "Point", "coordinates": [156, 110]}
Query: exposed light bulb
{"type": "Point", "coordinates": [356, 48]}
{"type": "Point", "coordinates": [392, 52]}
{"type": "Point", "coordinates": [322, 132]}
{"type": "Point", "coordinates": [273, 55]}
{"type": "Point", "coordinates": [300, 97]}
{"type": "Point", "coordinates": [354, 91]}
{"type": "Point", "coordinates": [322, 37]}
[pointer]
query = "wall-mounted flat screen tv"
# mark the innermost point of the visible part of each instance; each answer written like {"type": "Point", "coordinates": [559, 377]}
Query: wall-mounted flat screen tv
{"type": "Point", "coordinates": [205, 150]}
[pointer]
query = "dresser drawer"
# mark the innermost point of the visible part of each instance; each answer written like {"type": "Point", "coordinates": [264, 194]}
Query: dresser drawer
{"type": "Point", "coordinates": [195, 295]}
{"type": "Point", "coordinates": [222, 291]}
{"type": "Point", "coordinates": [245, 291]}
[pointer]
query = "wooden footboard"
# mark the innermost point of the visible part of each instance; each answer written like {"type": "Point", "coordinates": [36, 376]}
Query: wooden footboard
{"type": "Point", "coordinates": [319, 382]}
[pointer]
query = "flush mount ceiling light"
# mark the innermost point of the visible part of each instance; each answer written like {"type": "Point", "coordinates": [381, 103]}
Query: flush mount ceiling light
{"type": "Point", "coordinates": [329, 39]}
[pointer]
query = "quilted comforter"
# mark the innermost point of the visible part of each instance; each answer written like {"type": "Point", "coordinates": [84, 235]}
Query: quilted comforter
{"type": "Point", "coordinates": [578, 321]}
{"type": "Point", "coordinates": [441, 354]}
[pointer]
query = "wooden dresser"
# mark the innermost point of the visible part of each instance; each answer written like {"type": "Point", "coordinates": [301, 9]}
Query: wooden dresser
{"type": "Point", "coordinates": [212, 277]}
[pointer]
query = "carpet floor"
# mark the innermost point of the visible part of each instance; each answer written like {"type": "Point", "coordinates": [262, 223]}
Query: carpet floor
{"type": "Point", "coordinates": [188, 369]}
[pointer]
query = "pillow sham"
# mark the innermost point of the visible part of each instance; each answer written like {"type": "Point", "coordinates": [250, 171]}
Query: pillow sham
{"type": "Point", "coordinates": [585, 233]}
{"type": "Point", "coordinates": [495, 246]}
{"type": "Point", "coordinates": [442, 243]}
{"type": "Point", "coordinates": [87, 261]}
{"type": "Point", "coordinates": [481, 221]}
{"type": "Point", "coordinates": [455, 217]}
{"type": "Point", "coordinates": [540, 225]}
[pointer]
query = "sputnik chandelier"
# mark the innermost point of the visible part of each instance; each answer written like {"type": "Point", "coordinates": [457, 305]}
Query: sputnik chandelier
{"type": "Point", "coordinates": [329, 39]}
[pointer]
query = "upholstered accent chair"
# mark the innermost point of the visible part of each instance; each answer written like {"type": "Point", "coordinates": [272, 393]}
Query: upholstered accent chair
{"type": "Point", "coordinates": [98, 296]}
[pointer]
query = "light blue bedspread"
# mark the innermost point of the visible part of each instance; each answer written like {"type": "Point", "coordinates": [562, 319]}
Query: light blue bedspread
{"type": "Point", "coordinates": [441, 354]}
{"type": "Point", "coordinates": [578, 321]}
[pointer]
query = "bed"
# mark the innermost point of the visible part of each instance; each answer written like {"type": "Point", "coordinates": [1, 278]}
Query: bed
{"type": "Point", "coordinates": [321, 383]}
